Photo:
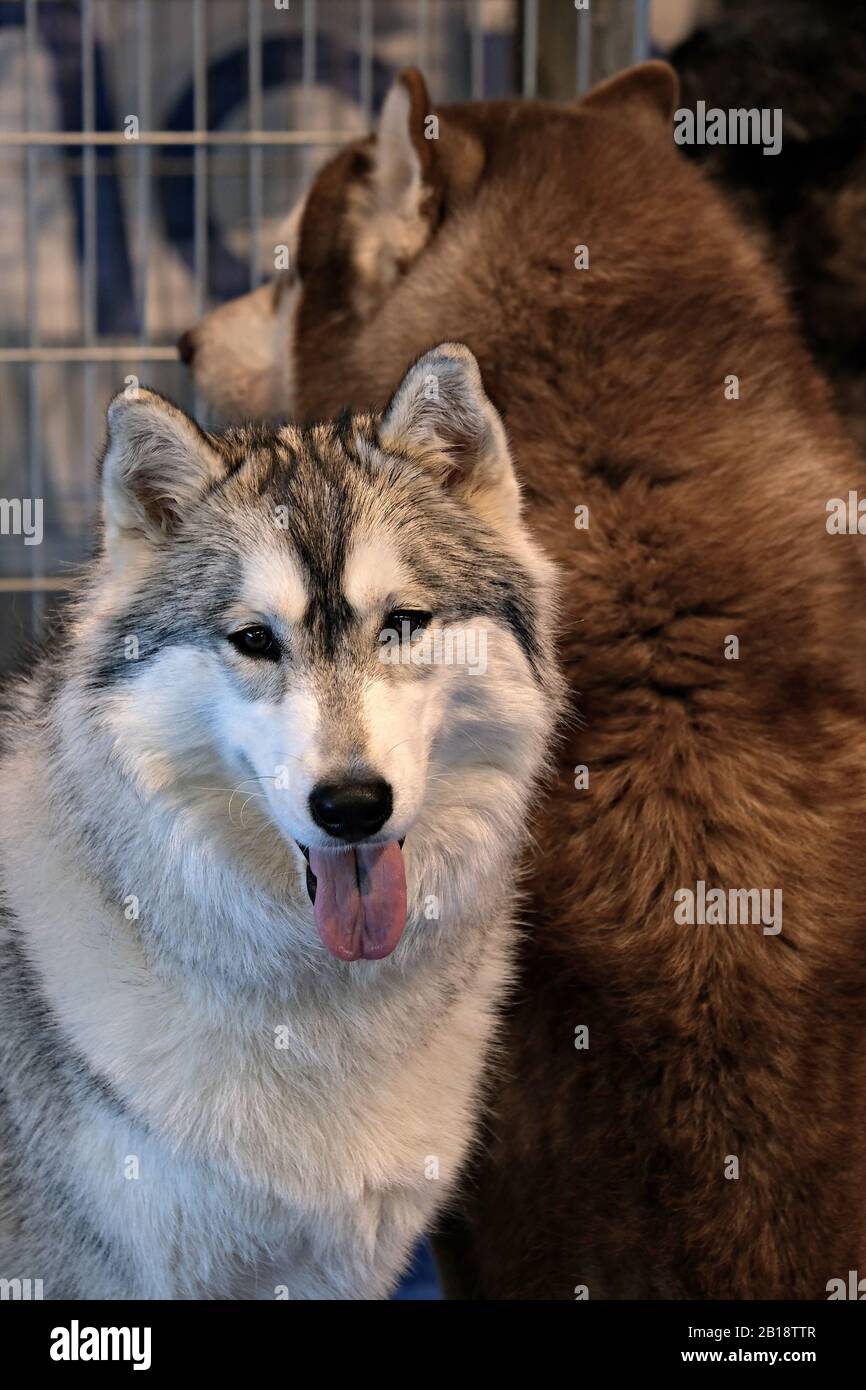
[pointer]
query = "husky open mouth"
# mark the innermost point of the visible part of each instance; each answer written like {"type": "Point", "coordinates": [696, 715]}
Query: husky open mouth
{"type": "Point", "coordinates": [359, 898]}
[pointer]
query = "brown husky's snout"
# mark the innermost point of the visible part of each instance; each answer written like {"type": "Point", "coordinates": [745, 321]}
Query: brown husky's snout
{"type": "Point", "coordinates": [186, 347]}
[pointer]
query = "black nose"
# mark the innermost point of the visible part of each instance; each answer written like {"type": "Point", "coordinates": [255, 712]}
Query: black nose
{"type": "Point", "coordinates": [351, 810]}
{"type": "Point", "coordinates": [186, 347]}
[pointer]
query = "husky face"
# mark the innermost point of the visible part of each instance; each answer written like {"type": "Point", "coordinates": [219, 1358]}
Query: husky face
{"type": "Point", "coordinates": [437, 199]}
{"type": "Point", "coordinates": [371, 213]}
{"type": "Point", "coordinates": [335, 624]}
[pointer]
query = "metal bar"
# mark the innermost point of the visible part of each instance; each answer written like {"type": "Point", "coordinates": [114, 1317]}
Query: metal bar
{"type": "Point", "coordinates": [611, 58]}
{"type": "Point", "coordinates": [31, 222]}
{"type": "Point", "coordinates": [34, 585]}
{"type": "Point", "coordinates": [476, 52]}
{"type": "Point", "coordinates": [144, 36]}
{"type": "Point", "coordinates": [254, 60]}
{"type": "Point", "coordinates": [91, 139]}
{"type": "Point", "coordinates": [91, 352]}
{"type": "Point", "coordinates": [530, 47]}
{"type": "Point", "coordinates": [641, 32]}
{"type": "Point", "coordinates": [583, 78]}
{"type": "Point", "coordinates": [308, 77]}
{"type": "Point", "coordinates": [365, 44]}
{"type": "Point", "coordinates": [32, 229]}
{"type": "Point", "coordinates": [422, 19]}
{"type": "Point", "coordinates": [88, 109]}
{"type": "Point", "coordinates": [199, 46]}
{"type": "Point", "coordinates": [89, 304]}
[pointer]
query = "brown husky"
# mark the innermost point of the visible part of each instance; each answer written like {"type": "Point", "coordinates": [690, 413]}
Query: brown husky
{"type": "Point", "coordinates": [679, 1112]}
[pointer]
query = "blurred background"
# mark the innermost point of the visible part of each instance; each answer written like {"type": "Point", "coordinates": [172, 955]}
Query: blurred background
{"type": "Point", "coordinates": [150, 149]}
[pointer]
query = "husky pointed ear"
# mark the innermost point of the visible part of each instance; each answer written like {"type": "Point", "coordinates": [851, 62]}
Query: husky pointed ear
{"type": "Point", "coordinates": [157, 464]}
{"type": "Point", "coordinates": [418, 159]}
{"type": "Point", "coordinates": [648, 89]}
{"type": "Point", "coordinates": [404, 163]}
{"type": "Point", "coordinates": [441, 416]}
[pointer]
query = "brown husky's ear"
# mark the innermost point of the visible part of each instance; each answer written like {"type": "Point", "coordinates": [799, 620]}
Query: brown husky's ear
{"type": "Point", "coordinates": [405, 144]}
{"type": "Point", "coordinates": [441, 416]}
{"type": "Point", "coordinates": [393, 224]}
{"type": "Point", "coordinates": [157, 464]}
{"type": "Point", "coordinates": [413, 137]}
{"type": "Point", "coordinates": [419, 162]}
{"type": "Point", "coordinates": [650, 89]}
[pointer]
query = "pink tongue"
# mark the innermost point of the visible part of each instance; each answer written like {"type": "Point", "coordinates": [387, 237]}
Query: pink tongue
{"type": "Point", "coordinates": [360, 902]}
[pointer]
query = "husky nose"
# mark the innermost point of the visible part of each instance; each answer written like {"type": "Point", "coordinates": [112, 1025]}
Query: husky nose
{"type": "Point", "coordinates": [186, 347]}
{"type": "Point", "coordinates": [351, 810]}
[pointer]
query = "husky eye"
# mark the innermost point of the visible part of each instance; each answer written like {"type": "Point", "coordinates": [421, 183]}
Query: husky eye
{"type": "Point", "coordinates": [406, 621]}
{"type": "Point", "coordinates": [257, 641]}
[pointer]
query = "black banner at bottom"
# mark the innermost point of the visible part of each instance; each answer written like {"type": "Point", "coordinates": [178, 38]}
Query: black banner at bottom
{"type": "Point", "coordinates": [154, 1338]}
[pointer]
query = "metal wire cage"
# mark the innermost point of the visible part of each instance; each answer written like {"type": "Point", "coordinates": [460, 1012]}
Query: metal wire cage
{"type": "Point", "coordinates": [149, 149]}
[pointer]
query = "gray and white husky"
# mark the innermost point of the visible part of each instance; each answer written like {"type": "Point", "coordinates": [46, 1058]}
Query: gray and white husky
{"type": "Point", "coordinates": [262, 805]}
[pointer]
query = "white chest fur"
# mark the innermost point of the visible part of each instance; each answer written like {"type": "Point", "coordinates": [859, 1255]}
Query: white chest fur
{"type": "Point", "coordinates": [291, 1148]}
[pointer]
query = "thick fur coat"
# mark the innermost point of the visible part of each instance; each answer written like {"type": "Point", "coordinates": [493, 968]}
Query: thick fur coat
{"type": "Point", "coordinates": [199, 1099]}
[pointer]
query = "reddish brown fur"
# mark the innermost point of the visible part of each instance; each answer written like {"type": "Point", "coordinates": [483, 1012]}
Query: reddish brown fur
{"type": "Point", "coordinates": [606, 1167]}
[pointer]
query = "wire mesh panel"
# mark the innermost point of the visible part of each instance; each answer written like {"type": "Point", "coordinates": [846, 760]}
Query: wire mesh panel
{"type": "Point", "coordinates": [149, 151]}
